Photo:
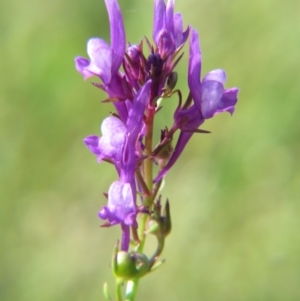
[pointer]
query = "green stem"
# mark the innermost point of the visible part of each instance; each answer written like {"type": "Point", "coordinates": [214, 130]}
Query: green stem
{"type": "Point", "coordinates": [160, 247]}
{"type": "Point", "coordinates": [145, 190]}
{"type": "Point", "coordinates": [119, 290]}
{"type": "Point", "coordinates": [131, 289]}
{"type": "Point", "coordinates": [156, 189]}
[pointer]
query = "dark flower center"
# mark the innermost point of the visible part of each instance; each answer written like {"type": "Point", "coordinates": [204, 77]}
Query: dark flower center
{"type": "Point", "coordinates": [155, 65]}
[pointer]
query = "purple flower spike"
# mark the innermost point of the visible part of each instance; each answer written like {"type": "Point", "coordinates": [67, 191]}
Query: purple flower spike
{"type": "Point", "coordinates": [136, 82]}
{"type": "Point", "coordinates": [105, 60]}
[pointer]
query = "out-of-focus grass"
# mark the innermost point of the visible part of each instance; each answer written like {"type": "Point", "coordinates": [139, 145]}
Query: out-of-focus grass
{"type": "Point", "coordinates": [234, 193]}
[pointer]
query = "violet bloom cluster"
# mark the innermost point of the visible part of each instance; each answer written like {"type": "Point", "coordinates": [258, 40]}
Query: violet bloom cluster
{"type": "Point", "coordinates": [134, 80]}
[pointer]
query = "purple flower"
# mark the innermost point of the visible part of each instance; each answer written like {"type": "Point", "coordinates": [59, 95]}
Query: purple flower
{"type": "Point", "coordinates": [121, 207]}
{"type": "Point", "coordinates": [109, 146]}
{"type": "Point", "coordinates": [105, 60]}
{"type": "Point", "coordinates": [168, 31]}
{"type": "Point", "coordinates": [210, 98]}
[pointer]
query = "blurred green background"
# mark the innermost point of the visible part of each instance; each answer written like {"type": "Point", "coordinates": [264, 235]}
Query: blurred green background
{"type": "Point", "coordinates": [234, 193]}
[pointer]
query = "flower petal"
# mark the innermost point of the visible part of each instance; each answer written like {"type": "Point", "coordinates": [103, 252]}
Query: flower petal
{"type": "Point", "coordinates": [228, 100]}
{"type": "Point", "coordinates": [218, 75]}
{"type": "Point", "coordinates": [120, 204]}
{"type": "Point", "coordinates": [214, 99]}
{"type": "Point", "coordinates": [101, 59]}
{"type": "Point", "coordinates": [117, 34]}
{"type": "Point", "coordinates": [136, 112]}
{"type": "Point", "coordinates": [170, 17]}
{"type": "Point", "coordinates": [92, 142]}
{"type": "Point", "coordinates": [112, 142]}
{"type": "Point", "coordinates": [159, 19]}
{"type": "Point", "coordinates": [82, 65]}
{"type": "Point", "coordinates": [212, 92]}
{"type": "Point", "coordinates": [180, 35]}
{"type": "Point", "coordinates": [194, 70]}
{"type": "Point", "coordinates": [134, 127]}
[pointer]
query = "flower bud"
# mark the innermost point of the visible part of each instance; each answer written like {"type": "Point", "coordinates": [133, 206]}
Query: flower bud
{"type": "Point", "coordinates": [132, 62]}
{"type": "Point", "coordinates": [164, 149]}
{"type": "Point", "coordinates": [172, 80]}
{"type": "Point", "coordinates": [158, 224]}
{"type": "Point", "coordinates": [130, 265]}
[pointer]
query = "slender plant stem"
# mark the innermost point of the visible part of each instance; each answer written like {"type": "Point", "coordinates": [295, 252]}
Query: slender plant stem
{"type": "Point", "coordinates": [119, 290]}
{"type": "Point", "coordinates": [160, 247]}
{"type": "Point", "coordinates": [131, 289]}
